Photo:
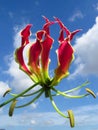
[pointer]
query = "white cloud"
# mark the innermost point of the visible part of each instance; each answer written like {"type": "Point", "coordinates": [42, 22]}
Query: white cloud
{"type": "Point", "coordinates": [33, 122]}
{"type": "Point", "coordinates": [87, 51]}
{"type": "Point", "coordinates": [17, 37]}
{"type": "Point", "coordinates": [82, 114]}
{"type": "Point", "coordinates": [76, 15]}
{"type": "Point", "coordinates": [34, 105]}
{"type": "Point", "coordinates": [20, 80]}
{"type": "Point", "coordinates": [1, 110]}
{"type": "Point", "coordinates": [3, 87]}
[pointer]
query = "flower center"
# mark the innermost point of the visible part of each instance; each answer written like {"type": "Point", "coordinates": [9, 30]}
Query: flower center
{"type": "Point", "coordinates": [47, 88]}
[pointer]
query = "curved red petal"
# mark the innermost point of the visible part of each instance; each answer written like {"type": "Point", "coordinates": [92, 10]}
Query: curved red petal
{"type": "Point", "coordinates": [46, 45]}
{"type": "Point", "coordinates": [34, 57]}
{"type": "Point", "coordinates": [65, 56]}
{"type": "Point", "coordinates": [61, 37]}
{"type": "Point", "coordinates": [63, 26]}
{"type": "Point", "coordinates": [73, 33]}
{"type": "Point", "coordinates": [47, 24]}
{"type": "Point", "coordinates": [46, 19]}
{"type": "Point", "coordinates": [40, 35]}
{"type": "Point", "coordinates": [65, 53]}
{"type": "Point", "coordinates": [25, 33]}
{"type": "Point", "coordinates": [20, 60]}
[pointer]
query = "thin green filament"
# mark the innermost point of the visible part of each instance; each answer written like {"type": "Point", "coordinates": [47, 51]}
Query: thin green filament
{"type": "Point", "coordinates": [19, 95]}
{"type": "Point", "coordinates": [55, 107]}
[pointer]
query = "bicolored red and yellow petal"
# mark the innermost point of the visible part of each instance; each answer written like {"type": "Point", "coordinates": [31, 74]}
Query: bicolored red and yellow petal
{"type": "Point", "coordinates": [65, 53]}
{"type": "Point", "coordinates": [25, 33]}
{"type": "Point", "coordinates": [46, 45]}
{"type": "Point", "coordinates": [39, 55]}
{"type": "Point", "coordinates": [34, 58]}
{"type": "Point", "coordinates": [45, 42]}
{"type": "Point", "coordinates": [65, 56]}
{"type": "Point", "coordinates": [20, 60]}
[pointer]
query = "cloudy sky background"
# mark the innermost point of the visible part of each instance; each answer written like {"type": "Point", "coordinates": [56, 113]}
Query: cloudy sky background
{"type": "Point", "coordinates": [14, 15]}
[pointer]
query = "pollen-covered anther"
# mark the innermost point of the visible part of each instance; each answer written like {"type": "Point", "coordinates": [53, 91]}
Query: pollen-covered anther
{"type": "Point", "coordinates": [7, 91]}
{"type": "Point", "coordinates": [71, 118]}
{"type": "Point", "coordinates": [90, 92]}
{"type": "Point", "coordinates": [11, 109]}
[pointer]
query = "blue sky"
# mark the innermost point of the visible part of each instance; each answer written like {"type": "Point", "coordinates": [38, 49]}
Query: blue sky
{"type": "Point", "coordinates": [75, 14]}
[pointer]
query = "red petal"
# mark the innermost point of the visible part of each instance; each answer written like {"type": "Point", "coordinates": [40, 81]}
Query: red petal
{"type": "Point", "coordinates": [40, 35]}
{"type": "Point", "coordinates": [20, 60]}
{"type": "Point", "coordinates": [61, 37]}
{"type": "Point", "coordinates": [25, 34]}
{"type": "Point", "coordinates": [65, 53]}
{"type": "Point", "coordinates": [46, 45]}
{"type": "Point", "coordinates": [46, 26]}
{"type": "Point", "coordinates": [65, 57]}
{"type": "Point", "coordinates": [19, 52]}
{"type": "Point", "coordinates": [73, 33]}
{"type": "Point", "coordinates": [46, 19]}
{"type": "Point", "coordinates": [34, 53]}
{"type": "Point", "coordinates": [62, 26]}
{"type": "Point", "coordinates": [42, 46]}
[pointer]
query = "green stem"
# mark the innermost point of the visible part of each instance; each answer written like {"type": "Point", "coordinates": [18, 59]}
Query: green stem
{"type": "Point", "coordinates": [26, 95]}
{"type": "Point", "coordinates": [19, 95]}
{"type": "Point", "coordinates": [74, 89]}
{"type": "Point", "coordinates": [55, 107]}
{"type": "Point", "coordinates": [31, 94]}
{"type": "Point", "coordinates": [24, 105]}
{"type": "Point", "coordinates": [79, 87]}
{"type": "Point", "coordinates": [67, 95]}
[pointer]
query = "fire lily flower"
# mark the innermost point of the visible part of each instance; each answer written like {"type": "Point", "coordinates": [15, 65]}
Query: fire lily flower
{"type": "Point", "coordinates": [38, 66]}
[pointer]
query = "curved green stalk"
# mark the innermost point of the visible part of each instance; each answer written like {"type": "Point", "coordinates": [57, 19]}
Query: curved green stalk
{"type": "Point", "coordinates": [69, 96]}
{"type": "Point", "coordinates": [24, 105]}
{"type": "Point", "coordinates": [26, 95]}
{"type": "Point", "coordinates": [31, 94]}
{"type": "Point", "coordinates": [55, 107]}
{"type": "Point", "coordinates": [19, 95]}
{"type": "Point", "coordinates": [74, 89]}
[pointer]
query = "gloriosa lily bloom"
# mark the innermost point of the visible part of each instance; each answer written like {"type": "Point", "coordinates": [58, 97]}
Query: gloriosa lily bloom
{"type": "Point", "coordinates": [38, 66]}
